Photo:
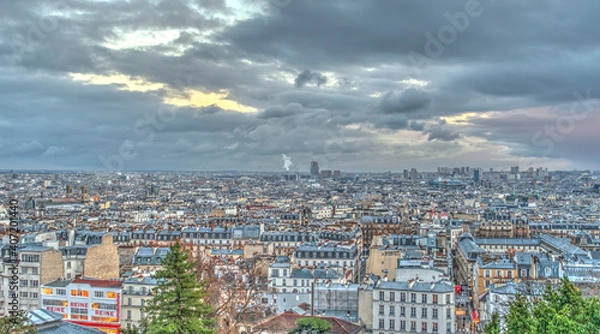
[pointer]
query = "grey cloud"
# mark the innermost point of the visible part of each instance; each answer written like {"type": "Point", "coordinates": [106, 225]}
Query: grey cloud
{"type": "Point", "coordinates": [307, 77]}
{"type": "Point", "coordinates": [407, 101]}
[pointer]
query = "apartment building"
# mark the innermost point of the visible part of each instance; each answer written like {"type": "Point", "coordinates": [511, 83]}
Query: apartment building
{"type": "Point", "coordinates": [413, 307]}
{"type": "Point", "coordinates": [38, 265]}
{"type": "Point", "coordinates": [341, 256]}
{"type": "Point", "coordinates": [86, 302]}
{"type": "Point", "coordinates": [136, 293]}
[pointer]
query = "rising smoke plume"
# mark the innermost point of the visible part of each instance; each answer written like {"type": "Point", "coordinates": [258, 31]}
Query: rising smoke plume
{"type": "Point", "coordinates": [287, 162]}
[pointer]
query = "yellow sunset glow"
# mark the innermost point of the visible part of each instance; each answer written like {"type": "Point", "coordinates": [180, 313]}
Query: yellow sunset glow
{"type": "Point", "coordinates": [194, 99]}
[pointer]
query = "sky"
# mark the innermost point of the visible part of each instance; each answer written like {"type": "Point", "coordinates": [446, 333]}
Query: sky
{"type": "Point", "coordinates": [252, 85]}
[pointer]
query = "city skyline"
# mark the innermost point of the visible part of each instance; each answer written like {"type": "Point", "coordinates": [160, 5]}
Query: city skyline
{"type": "Point", "coordinates": [234, 85]}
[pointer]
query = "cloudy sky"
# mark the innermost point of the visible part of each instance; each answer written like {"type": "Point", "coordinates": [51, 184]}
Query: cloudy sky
{"type": "Point", "coordinates": [358, 85]}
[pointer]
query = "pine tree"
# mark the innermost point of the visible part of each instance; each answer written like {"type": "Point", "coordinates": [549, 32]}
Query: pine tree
{"type": "Point", "coordinates": [178, 306]}
{"type": "Point", "coordinates": [519, 319]}
{"type": "Point", "coordinates": [493, 327]}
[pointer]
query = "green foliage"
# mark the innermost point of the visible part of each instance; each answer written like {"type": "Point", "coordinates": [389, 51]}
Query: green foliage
{"type": "Point", "coordinates": [493, 327]}
{"type": "Point", "coordinates": [520, 319]}
{"type": "Point", "coordinates": [311, 326]}
{"type": "Point", "coordinates": [559, 310]}
{"type": "Point", "coordinates": [178, 306]}
{"type": "Point", "coordinates": [16, 325]}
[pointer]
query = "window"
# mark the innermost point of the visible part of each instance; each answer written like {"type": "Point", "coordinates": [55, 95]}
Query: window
{"type": "Point", "coordinates": [487, 283]}
{"type": "Point", "coordinates": [23, 270]}
{"type": "Point", "coordinates": [61, 292]}
{"type": "Point", "coordinates": [110, 294]}
{"type": "Point", "coordinates": [509, 273]}
{"type": "Point", "coordinates": [128, 301]}
{"type": "Point", "coordinates": [434, 327]}
{"type": "Point", "coordinates": [380, 309]}
{"type": "Point", "coordinates": [392, 309]}
{"type": "Point", "coordinates": [423, 327]}
{"type": "Point", "coordinates": [46, 291]}
{"type": "Point", "coordinates": [23, 294]}
{"type": "Point", "coordinates": [402, 311]}
{"type": "Point", "coordinates": [413, 297]}
{"type": "Point", "coordinates": [381, 295]}
{"type": "Point", "coordinates": [142, 301]}
{"type": "Point", "coordinates": [499, 273]}
{"type": "Point", "coordinates": [402, 296]}
{"type": "Point", "coordinates": [99, 294]}
{"type": "Point", "coordinates": [68, 264]}
{"type": "Point", "coordinates": [448, 314]}
{"type": "Point", "coordinates": [381, 324]}
{"type": "Point", "coordinates": [23, 282]}
{"type": "Point", "coordinates": [413, 325]}
{"type": "Point", "coordinates": [424, 298]}
{"type": "Point", "coordinates": [487, 274]}
{"type": "Point", "coordinates": [424, 312]}
{"type": "Point", "coordinates": [392, 324]}
{"type": "Point", "coordinates": [402, 325]}
{"type": "Point", "coordinates": [30, 258]}
{"type": "Point", "coordinates": [523, 272]}
{"type": "Point", "coordinates": [413, 312]}
{"type": "Point", "coordinates": [447, 299]}
{"type": "Point", "coordinates": [434, 313]}
{"type": "Point", "coordinates": [128, 315]}
{"type": "Point", "coordinates": [34, 283]}
{"type": "Point", "coordinates": [79, 293]}
{"type": "Point", "coordinates": [392, 296]}
{"type": "Point", "coordinates": [435, 299]}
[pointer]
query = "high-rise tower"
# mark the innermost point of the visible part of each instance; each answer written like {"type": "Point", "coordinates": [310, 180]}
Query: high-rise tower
{"type": "Point", "coordinates": [314, 168]}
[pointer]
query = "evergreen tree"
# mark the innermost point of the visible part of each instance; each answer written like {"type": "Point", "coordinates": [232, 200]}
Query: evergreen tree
{"type": "Point", "coordinates": [493, 327]}
{"type": "Point", "coordinates": [519, 319]}
{"type": "Point", "coordinates": [559, 310]}
{"type": "Point", "coordinates": [311, 325]}
{"type": "Point", "coordinates": [178, 306]}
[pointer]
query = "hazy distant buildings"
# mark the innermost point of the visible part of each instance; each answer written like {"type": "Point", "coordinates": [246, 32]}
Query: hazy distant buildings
{"type": "Point", "coordinates": [69, 191]}
{"type": "Point", "coordinates": [476, 176]}
{"type": "Point", "coordinates": [314, 168]}
{"type": "Point", "coordinates": [326, 173]}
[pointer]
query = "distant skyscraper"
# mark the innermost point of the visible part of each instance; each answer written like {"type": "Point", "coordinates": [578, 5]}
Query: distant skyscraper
{"type": "Point", "coordinates": [314, 168]}
{"type": "Point", "coordinates": [514, 170]}
{"type": "Point", "coordinates": [69, 190]}
{"type": "Point", "coordinates": [337, 173]}
{"type": "Point", "coordinates": [476, 176]}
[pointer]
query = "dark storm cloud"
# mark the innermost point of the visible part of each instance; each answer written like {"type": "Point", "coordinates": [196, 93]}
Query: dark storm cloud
{"type": "Point", "coordinates": [307, 77]}
{"type": "Point", "coordinates": [407, 101]}
{"type": "Point", "coordinates": [422, 62]}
